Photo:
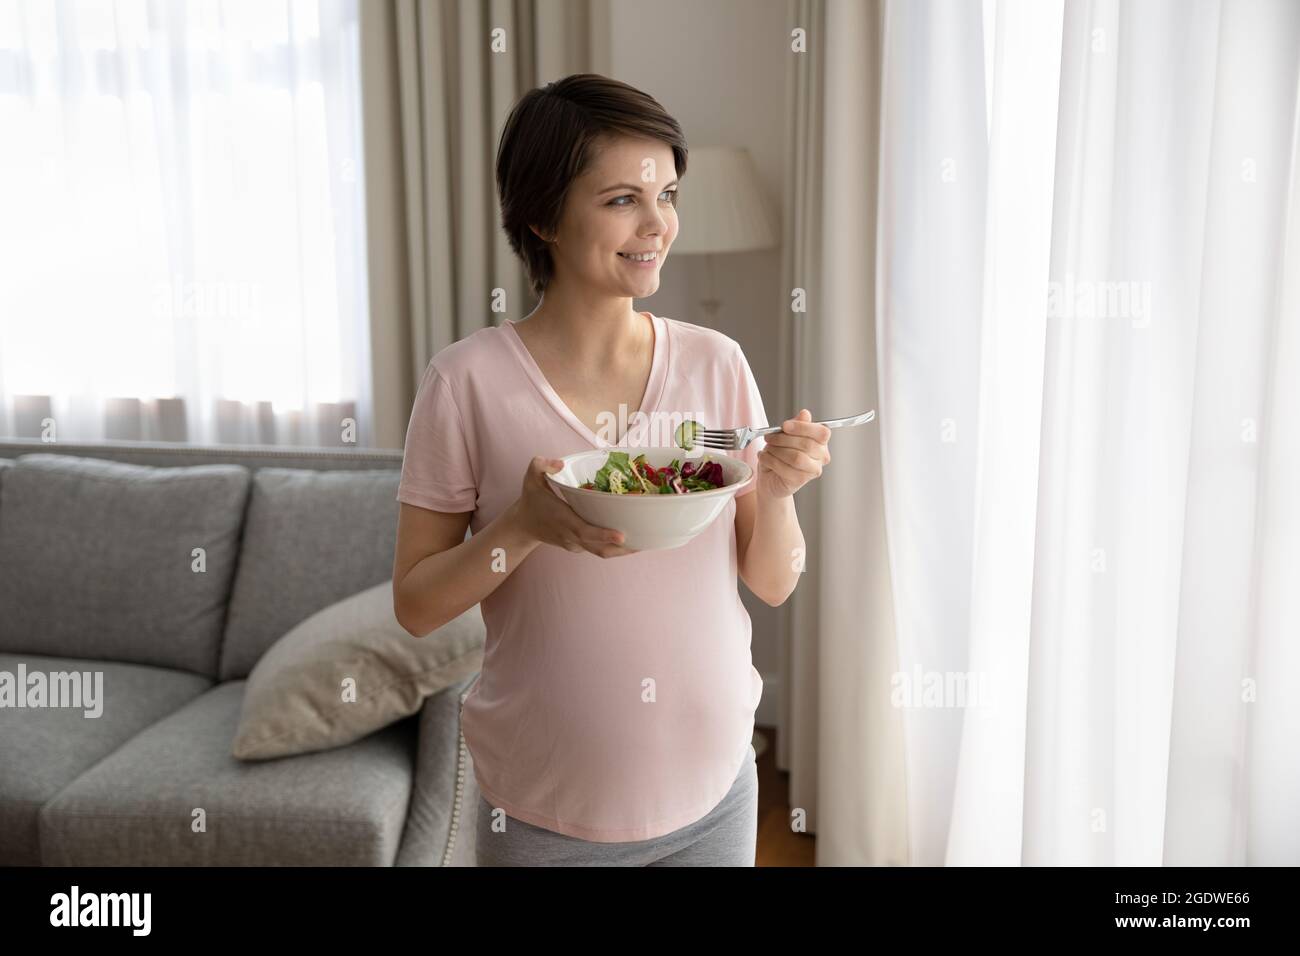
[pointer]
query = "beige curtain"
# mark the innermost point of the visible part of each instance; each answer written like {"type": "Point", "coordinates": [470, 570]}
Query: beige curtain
{"type": "Point", "coordinates": [841, 740]}
{"type": "Point", "coordinates": [439, 78]}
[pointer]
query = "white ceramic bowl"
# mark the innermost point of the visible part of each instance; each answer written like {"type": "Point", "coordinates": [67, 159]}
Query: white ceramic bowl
{"type": "Point", "coordinates": [648, 522]}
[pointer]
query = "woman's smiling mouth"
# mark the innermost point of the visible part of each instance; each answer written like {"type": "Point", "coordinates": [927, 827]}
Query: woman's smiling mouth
{"type": "Point", "coordinates": [643, 260]}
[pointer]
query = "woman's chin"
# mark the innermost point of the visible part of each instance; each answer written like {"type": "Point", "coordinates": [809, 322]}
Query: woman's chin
{"type": "Point", "coordinates": [642, 287]}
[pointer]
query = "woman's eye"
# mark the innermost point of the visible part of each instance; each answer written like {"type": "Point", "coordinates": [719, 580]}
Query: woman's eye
{"type": "Point", "coordinates": [671, 193]}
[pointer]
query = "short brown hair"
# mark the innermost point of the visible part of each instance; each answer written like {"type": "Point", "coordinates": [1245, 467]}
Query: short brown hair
{"type": "Point", "coordinates": [548, 142]}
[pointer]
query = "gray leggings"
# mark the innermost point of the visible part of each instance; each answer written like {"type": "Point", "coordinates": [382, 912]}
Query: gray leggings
{"type": "Point", "coordinates": [725, 836]}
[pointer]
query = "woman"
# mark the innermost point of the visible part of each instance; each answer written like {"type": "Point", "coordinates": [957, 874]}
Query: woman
{"type": "Point", "coordinates": [612, 720]}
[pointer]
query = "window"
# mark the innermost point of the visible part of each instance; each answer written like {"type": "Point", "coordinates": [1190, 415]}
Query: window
{"type": "Point", "coordinates": [182, 221]}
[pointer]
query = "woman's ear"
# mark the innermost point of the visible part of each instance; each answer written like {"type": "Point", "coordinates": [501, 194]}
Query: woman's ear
{"type": "Point", "coordinates": [539, 235]}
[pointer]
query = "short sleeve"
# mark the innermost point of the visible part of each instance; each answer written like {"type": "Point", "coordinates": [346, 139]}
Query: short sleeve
{"type": "Point", "coordinates": [437, 472]}
{"type": "Point", "coordinates": [748, 411]}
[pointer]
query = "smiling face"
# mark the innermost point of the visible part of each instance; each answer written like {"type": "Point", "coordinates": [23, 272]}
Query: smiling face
{"type": "Point", "coordinates": [624, 204]}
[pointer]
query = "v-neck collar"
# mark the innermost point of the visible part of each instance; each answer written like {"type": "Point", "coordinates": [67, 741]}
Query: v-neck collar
{"type": "Point", "coordinates": [649, 401]}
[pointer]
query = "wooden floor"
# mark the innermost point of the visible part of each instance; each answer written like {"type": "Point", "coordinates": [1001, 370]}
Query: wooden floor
{"type": "Point", "coordinates": [777, 844]}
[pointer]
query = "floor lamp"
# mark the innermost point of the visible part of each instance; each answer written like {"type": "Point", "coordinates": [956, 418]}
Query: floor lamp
{"type": "Point", "coordinates": [724, 210]}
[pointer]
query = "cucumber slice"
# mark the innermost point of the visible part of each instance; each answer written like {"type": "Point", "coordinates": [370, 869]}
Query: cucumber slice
{"type": "Point", "coordinates": [685, 434]}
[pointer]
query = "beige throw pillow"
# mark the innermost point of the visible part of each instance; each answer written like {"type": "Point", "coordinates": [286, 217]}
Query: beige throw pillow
{"type": "Point", "coordinates": [348, 670]}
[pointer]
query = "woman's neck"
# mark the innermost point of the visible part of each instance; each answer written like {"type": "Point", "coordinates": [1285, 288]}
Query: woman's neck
{"type": "Point", "coordinates": [590, 334]}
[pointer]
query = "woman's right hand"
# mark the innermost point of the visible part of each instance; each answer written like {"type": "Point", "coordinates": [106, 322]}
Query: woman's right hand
{"type": "Point", "coordinates": [547, 518]}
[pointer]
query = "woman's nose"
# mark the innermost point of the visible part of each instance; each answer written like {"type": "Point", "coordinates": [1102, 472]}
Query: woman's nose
{"type": "Point", "coordinates": [656, 222]}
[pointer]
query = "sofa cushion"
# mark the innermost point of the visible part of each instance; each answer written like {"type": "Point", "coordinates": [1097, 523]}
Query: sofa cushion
{"type": "Point", "coordinates": [310, 538]}
{"type": "Point", "coordinates": [97, 559]}
{"type": "Point", "coordinates": [347, 671]}
{"type": "Point", "coordinates": [44, 749]}
{"type": "Point", "coordinates": [174, 796]}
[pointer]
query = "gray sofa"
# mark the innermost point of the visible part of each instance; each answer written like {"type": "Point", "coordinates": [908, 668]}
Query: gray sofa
{"type": "Point", "coordinates": [97, 574]}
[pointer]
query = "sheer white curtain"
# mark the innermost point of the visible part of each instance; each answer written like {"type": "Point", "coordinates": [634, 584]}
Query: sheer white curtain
{"type": "Point", "coordinates": [1089, 341]}
{"type": "Point", "coordinates": [183, 223]}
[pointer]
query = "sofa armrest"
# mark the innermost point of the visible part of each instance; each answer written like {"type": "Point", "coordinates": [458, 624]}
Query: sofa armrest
{"type": "Point", "coordinates": [440, 822]}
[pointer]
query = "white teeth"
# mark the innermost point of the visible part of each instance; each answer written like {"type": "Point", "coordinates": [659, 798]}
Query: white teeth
{"type": "Point", "coordinates": [642, 257]}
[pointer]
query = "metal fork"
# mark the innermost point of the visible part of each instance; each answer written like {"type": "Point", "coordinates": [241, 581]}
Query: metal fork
{"type": "Point", "coordinates": [734, 439]}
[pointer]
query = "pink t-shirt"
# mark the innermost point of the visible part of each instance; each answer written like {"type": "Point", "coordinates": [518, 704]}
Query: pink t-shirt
{"type": "Point", "coordinates": [565, 728]}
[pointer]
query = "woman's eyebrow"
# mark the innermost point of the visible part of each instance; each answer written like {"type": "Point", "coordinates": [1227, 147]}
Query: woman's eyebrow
{"type": "Point", "coordinates": [631, 187]}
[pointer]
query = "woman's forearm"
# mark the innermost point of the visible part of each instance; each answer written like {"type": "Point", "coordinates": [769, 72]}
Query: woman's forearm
{"type": "Point", "coordinates": [442, 586]}
{"type": "Point", "coordinates": [774, 556]}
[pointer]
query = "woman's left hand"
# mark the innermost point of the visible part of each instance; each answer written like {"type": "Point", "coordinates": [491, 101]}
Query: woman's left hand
{"type": "Point", "coordinates": [793, 456]}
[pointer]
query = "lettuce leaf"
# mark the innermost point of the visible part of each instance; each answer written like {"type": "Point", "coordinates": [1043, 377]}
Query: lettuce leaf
{"type": "Point", "coordinates": [617, 461]}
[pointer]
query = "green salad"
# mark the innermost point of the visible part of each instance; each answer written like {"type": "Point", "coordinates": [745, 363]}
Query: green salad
{"type": "Point", "coordinates": [621, 475]}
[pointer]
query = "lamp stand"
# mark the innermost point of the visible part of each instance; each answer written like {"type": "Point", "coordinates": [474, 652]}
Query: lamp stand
{"type": "Point", "coordinates": [712, 304]}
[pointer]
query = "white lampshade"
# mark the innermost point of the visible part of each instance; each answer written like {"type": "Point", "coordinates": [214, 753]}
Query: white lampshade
{"type": "Point", "coordinates": [722, 206]}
